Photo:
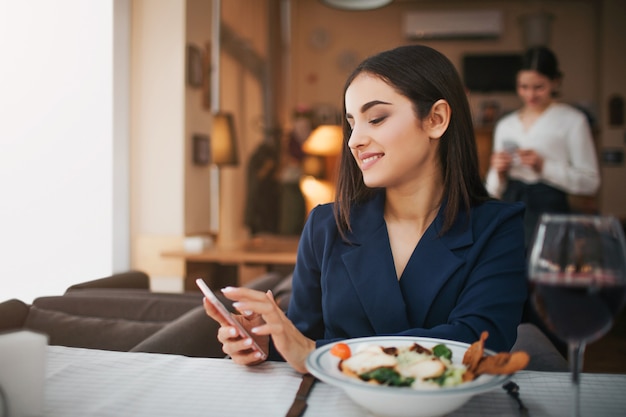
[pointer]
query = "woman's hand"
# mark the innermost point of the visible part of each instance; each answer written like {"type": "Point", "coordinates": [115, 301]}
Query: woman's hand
{"type": "Point", "coordinates": [268, 320]}
{"type": "Point", "coordinates": [532, 159]}
{"type": "Point", "coordinates": [501, 163]}
{"type": "Point", "coordinates": [234, 345]}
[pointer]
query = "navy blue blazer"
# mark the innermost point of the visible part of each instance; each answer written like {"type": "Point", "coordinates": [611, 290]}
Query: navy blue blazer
{"type": "Point", "coordinates": [473, 278]}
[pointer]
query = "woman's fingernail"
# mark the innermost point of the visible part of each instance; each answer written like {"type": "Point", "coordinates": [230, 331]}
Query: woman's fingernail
{"type": "Point", "coordinates": [232, 332]}
{"type": "Point", "coordinates": [247, 312]}
{"type": "Point", "coordinates": [247, 342]}
{"type": "Point", "coordinates": [237, 304]}
{"type": "Point", "coordinates": [254, 330]}
{"type": "Point", "coordinates": [258, 355]}
{"type": "Point", "coordinates": [227, 289]}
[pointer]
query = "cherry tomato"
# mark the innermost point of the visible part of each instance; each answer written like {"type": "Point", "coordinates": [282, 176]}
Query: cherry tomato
{"type": "Point", "coordinates": [341, 350]}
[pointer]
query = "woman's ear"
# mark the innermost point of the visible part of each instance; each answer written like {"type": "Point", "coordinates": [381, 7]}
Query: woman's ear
{"type": "Point", "coordinates": [438, 119]}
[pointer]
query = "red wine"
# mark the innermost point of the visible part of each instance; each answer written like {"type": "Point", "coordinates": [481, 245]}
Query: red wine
{"type": "Point", "coordinates": [577, 307]}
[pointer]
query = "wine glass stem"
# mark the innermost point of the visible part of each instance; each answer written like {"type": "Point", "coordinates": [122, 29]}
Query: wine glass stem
{"type": "Point", "coordinates": [576, 355]}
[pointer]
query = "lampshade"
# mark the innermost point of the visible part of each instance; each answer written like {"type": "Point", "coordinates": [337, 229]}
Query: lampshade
{"type": "Point", "coordinates": [325, 140]}
{"type": "Point", "coordinates": [223, 140]}
{"type": "Point", "coordinates": [357, 4]}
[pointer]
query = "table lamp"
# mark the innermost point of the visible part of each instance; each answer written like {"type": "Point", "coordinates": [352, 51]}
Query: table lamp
{"type": "Point", "coordinates": [319, 166]}
{"type": "Point", "coordinates": [223, 145]}
{"type": "Point", "coordinates": [223, 140]}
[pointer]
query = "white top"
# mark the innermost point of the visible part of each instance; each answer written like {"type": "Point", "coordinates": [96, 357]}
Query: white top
{"type": "Point", "coordinates": [561, 135]}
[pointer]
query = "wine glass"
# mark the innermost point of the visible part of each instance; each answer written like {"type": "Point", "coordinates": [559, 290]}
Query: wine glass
{"type": "Point", "coordinates": [577, 272]}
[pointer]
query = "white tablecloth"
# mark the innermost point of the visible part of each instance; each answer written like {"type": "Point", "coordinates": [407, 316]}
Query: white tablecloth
{"type": "Point", "coordinates": [85, 382]}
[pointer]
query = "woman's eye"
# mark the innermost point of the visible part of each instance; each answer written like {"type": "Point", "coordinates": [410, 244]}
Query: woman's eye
{"type": "Point", "coordinates": [377, 120]}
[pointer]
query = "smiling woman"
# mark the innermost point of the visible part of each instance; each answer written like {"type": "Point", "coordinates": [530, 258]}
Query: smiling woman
{"type": "Point", "coordinates": [543, 151]}
{"type": "Point", "coordinates": [412, 244]}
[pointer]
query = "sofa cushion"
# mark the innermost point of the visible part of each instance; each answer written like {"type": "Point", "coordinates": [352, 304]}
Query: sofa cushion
{"type": "Point", "coordinates": [543, 355]}
{"type": "Point", "coordinates": [282, 292]}
{"type": "Point", "coordinates": [128, 304]}
{"type": "Point", "coordinates": [89, 332]}
{"type": "Point", "coordinates": [129, 279]}
{"type": "Point", "coordinates": [193, 334]}
{"type": "Point", "coordinates": [12, 314]}
{"type": "Point", "coordinates": [265, 282]}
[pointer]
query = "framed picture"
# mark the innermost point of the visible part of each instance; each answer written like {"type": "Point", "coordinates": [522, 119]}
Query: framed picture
{"type": "Point", "coordinates": [490, 112]}
{"type": "Point", "coordinates": [194, 66]}
{"type": "Point", "coordinates": [201, 149]}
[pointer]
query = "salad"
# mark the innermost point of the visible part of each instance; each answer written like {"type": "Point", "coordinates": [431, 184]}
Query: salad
{"type": "Point", "coordinates": [419, 367]}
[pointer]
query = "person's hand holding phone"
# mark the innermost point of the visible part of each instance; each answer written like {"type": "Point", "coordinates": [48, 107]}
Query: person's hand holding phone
{"type": "Point", "coordinates": [531, 158]}
{"type": "Point", "coordinates": [261, 318]}
{"type": "Point", "coordinates": [501, 162]}
{"type": "Point", "coordinates": [234, 332]}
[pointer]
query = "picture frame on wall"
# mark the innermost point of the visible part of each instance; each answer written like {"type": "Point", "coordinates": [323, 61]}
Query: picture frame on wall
{"type": "Point", "coordinates": [195, 74]}
{"type": "Point", "coordinates": [201, 149]}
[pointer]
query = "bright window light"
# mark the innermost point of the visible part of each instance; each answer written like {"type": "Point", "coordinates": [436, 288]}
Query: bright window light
{"type": "Point", "coordinates": [56, 167]}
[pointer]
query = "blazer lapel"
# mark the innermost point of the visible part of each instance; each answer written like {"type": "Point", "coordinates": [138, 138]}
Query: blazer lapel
{"type": "Point", "coordinates": [432, 265]}
{"type": "Point", "coordinates": [391, 305]}
{"type": "Point", "coordinates": [369, 263]}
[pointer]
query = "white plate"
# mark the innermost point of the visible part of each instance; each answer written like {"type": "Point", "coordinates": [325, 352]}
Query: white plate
{"type": "Point", "coordinates": [401, 401]}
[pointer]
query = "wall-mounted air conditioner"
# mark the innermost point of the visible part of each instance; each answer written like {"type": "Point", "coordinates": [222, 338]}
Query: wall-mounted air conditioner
{"type": "Point", "coordinates": [453, 24]}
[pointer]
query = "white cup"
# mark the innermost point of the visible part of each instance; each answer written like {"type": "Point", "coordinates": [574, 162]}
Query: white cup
{"type": "Point", "coordinates": [197, 243]}
{"type": "Point", "coordinates": [22, 373]}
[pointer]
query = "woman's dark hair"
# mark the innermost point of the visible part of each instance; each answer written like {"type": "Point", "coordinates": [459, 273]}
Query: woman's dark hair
{"type": "Point", "coordinates": [542, 60]}
{"type": "Point", "coordinates": [423, 75]}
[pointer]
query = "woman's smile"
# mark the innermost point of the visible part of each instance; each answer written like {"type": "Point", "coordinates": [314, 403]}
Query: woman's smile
{"type": "Point", "coordinates": [368, 159]}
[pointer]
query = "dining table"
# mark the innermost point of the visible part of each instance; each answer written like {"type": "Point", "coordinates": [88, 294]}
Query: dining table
{"type": "Point", "coordinates": [89, 382]}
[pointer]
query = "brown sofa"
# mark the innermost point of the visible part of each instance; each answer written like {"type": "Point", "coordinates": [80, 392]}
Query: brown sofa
{"type": "Point", "coordinates": [121, 313]}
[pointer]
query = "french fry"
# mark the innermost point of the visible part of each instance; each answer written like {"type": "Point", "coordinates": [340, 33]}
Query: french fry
{"type": "Point", "coordinates": [503, 363]}
{"type": "Point", "coordinates": [475, 352]}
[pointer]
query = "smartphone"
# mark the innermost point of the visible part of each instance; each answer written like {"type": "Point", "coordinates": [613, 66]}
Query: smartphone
{"type": "Point", "coordinates": [509, 146]}
{"type": "Point", "coordinates": [227, 316]}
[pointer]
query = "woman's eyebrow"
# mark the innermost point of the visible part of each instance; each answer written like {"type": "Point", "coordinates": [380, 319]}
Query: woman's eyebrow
{"type": "Point", "coordinates": [368, 106]}
{"type": "Point", "coordinates": [371, 104]}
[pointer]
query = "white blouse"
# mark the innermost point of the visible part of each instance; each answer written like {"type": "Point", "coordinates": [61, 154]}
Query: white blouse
{"type": "Point", "coordinates": [561, 135]}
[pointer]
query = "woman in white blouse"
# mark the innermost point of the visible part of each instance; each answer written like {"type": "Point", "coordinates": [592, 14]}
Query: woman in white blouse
{"type": "Point", "coordinates": [543, 151]}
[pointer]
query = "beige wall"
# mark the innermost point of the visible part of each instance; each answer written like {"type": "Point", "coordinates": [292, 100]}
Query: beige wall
{"type": "Point", "coordinates": [157, 133]}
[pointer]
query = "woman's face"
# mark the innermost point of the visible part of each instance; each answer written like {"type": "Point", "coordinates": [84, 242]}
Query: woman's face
{"type": "Point", "coordinates": [535, 89]}
{"type": "Point", "coordinates": [387, 139]}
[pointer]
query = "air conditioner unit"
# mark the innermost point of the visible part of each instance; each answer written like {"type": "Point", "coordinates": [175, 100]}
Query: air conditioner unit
{"type": "Point", "coordinates": [453, 24]}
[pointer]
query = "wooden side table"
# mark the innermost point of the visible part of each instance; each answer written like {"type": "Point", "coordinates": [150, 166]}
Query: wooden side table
{"type": "Point", "coordinates": [220, 267]}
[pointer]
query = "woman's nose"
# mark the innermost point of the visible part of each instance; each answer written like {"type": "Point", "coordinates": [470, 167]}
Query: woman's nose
{"type": "Point", "coordinates": [356, 139]}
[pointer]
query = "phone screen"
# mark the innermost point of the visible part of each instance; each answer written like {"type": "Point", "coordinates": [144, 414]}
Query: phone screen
{"type": "Point", "coordinates": [226, 315]}
{"type": "Point", "coordinates": [509, 146]}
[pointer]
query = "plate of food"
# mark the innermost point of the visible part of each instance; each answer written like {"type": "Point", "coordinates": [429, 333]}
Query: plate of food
{"type": "Point", "coordinates": [398, 376]}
